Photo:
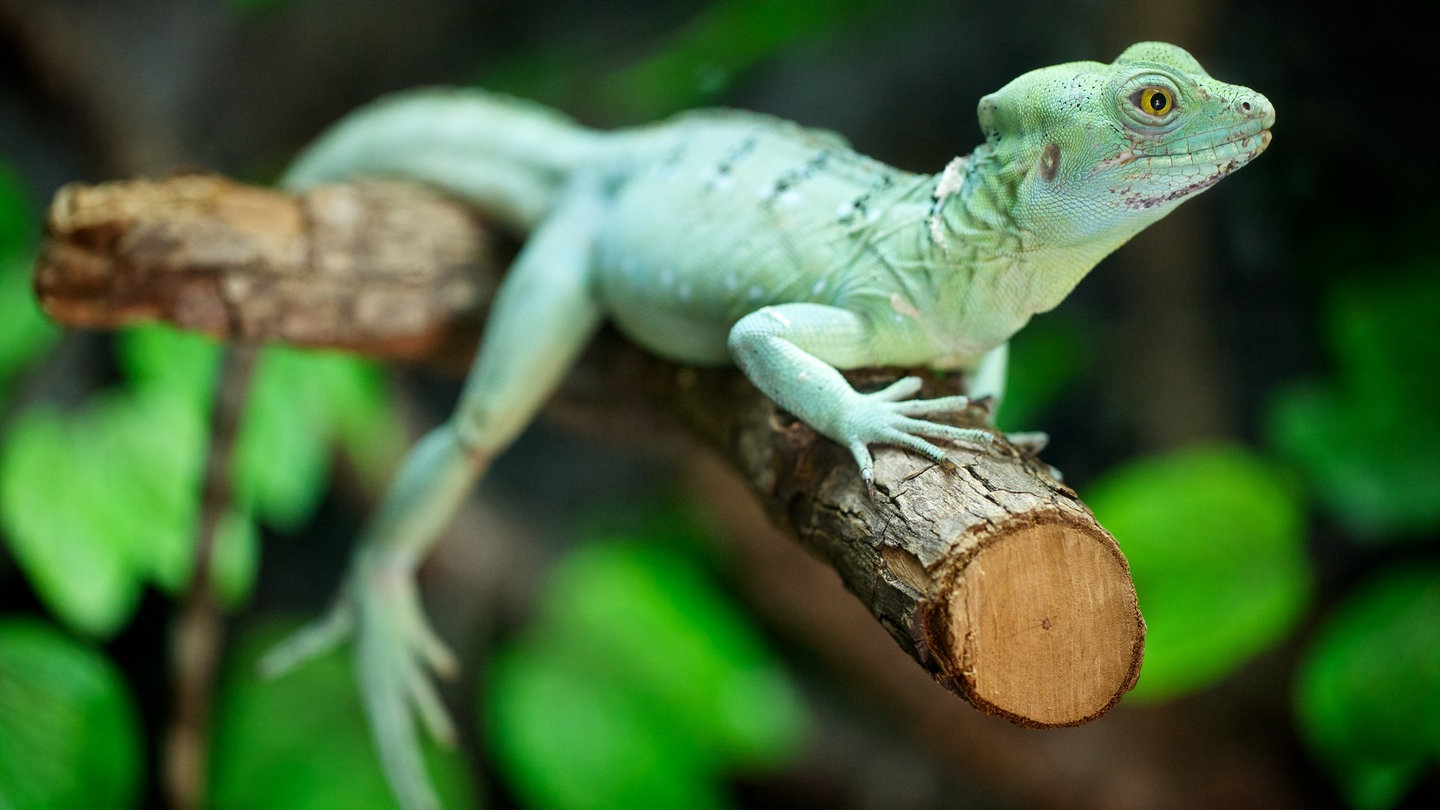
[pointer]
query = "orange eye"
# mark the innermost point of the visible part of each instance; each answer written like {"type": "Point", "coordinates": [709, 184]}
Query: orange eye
{"type": "Point", "coordinates": [1155, 101]}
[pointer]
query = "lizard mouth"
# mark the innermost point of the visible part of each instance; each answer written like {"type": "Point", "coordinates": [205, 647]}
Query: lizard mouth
{"type": "Point", "coordinates": [1189, 165]}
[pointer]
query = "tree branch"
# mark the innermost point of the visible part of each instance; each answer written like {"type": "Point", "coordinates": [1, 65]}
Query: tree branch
{"type": "Point", "coordinates": [198, 630]}
{"type": "Point", "coordinates": [992, 574]}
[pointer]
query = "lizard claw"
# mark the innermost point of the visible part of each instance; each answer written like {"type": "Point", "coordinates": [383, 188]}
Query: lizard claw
{"type": "Point", "coordinates": [396, 653]}
{"type": "Point", "coordinates": [884, 417]}
{"type": "Point", "coordinates": [903, 388]}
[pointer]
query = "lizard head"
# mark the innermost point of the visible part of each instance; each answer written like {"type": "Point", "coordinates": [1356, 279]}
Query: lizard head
{"type": "Point", "coordinates": [1090, 154]}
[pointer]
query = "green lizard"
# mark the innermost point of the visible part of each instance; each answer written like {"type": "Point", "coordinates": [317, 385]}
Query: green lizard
{"type": "Point", "coordinates": [720, 237]}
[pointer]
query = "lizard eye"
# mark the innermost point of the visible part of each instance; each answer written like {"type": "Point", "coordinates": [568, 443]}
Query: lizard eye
{"type": "Point", "coordinates": [1156, 101]}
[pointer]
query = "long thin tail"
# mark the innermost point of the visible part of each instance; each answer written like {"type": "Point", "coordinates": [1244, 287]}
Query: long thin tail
{"type": "Point", "coordinates": [507, 156]}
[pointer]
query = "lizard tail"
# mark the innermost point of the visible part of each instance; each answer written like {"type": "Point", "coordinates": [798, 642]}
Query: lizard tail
{"type": "Point", "coordinates": [506, 156]}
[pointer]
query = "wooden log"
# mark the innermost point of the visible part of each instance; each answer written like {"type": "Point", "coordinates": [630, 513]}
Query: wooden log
{"type": "Point", "coordinates": [989, 572]}
{"type": "Point", "coordinates": [384, 269]}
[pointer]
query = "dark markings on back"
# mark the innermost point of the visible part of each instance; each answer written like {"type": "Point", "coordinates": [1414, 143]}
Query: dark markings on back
{"type": "Point", "coordinates": [860, 207]}
{"type": "Point", "coordinates": [738, 153]}
{"type": "Point", "coordinates": [798, 175]}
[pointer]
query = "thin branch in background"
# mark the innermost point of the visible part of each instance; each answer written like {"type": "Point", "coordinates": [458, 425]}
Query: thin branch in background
{"type": "Point", "coordinates": [199, 628]}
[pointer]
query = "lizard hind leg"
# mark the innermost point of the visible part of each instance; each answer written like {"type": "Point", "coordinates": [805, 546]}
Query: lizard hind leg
{"type": "Point", "coordinates": [543, 315]}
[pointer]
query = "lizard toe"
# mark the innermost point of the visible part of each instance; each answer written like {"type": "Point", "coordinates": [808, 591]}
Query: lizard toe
{"type": "Point", "coordinates": [950, 404]}
{"type": "Point", "coordinates": [901, 389]}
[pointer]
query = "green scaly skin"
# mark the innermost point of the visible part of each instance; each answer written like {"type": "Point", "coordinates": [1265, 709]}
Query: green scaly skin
{"type": "Point", "coordinates": [724, 237]}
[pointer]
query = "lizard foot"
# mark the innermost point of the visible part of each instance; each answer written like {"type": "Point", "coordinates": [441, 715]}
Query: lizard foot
{"type": "Point", "coordinates": [887, 417]}
{"type": "Point", "coordinates": [396, 653]}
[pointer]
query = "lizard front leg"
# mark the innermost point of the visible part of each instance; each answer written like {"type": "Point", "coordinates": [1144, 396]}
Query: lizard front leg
{"type": "Point", "coordinates": [791, 352]}
{"type": "Point", "coordinates": [543, 315]}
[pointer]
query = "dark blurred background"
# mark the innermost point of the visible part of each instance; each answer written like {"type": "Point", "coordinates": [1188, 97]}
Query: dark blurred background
{"type": "Point", "coordinates": [1247, 394]}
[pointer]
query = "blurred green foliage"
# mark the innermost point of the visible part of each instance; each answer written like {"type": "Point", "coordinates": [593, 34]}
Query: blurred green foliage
{"type": "Point", "coordinates": [690, 67]}
{"type": "Point", "coordinates": [300, 742]}
{"type": "Point", "coordinates": [100, 501]}
{"type": "Point", "coordinates": [697, 62]}
{"type": "Point", "coordinates": [1215, 539]}
{"type": "Point", "coordinates": [69, 729]}
{"type": "Point", "coordinates": [1049, 355]}
{"type": "Point", "coordinates": [26, 333]}
{"type": "Point", "coordinates": [1367, 443]}
{"type": "Point", "coordinates": [1367, 695]}
{"type": "Point", "coordinates": [638, 684]}
{"type": "Point", "coordinates": [1368, 440]}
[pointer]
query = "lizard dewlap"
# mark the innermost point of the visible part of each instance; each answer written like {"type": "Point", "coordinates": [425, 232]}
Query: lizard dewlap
{"type": "Point", "coordinates": [728, 237]}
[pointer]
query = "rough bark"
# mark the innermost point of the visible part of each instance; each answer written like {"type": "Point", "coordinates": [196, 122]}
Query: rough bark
{"type": "Point", "coordinates": [990, 573]}
{"type": "Point", "coordinates": [383, 269]}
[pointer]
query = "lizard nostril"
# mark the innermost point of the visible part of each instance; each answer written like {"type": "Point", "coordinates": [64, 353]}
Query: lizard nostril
{"type": "Point", "coordinates": [1246, 106]}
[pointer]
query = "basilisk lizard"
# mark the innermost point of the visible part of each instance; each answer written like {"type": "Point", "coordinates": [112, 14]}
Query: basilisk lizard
{"type": "Point", "coordinates": [720, 237]}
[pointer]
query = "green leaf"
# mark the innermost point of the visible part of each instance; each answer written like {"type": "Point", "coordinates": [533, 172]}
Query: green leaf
{"type": "Point", "coordinates": [362, 416]}
{"type": "Point", "coordinates": [100, 501]}
{"type": "Point", "coordinates": [236, 557]}
{"type": "Point", "coordinates": [152, 461]}
{"type": "Point", "coordinates": [164, 359]}
{"type": "Point", "coordinates": [282, 456]}
{"type": "Point", "coordinates": [300, 404]}
{"type": "Point", "coordinates": [49, 505]}
{"type": "Point", "coordinates": [300, 742]}
{"type": "Point", "coordinates": [651, 680]}
{"type": "Point", "coordinates": [1368, 441]}
{"type": "Point", "coordinates": [1214, 536]}
{"type": "Point", "coordinates": [69, 732]}
{"type": "Point", "coordinates": [1367, 692]}
{"type": "Point", "coordinates": [1045, 357]}
{"type": "Point", "coordinates": [565, 740]}
{"type": "Point", "coordinates": [648, 617]}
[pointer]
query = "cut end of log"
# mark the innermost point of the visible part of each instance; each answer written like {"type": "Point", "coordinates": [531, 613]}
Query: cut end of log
{"type": "Point", "coordinates": [1040, 624]}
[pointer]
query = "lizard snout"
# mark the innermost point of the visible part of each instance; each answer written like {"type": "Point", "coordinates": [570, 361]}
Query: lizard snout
{"type": "Point", "coordinates": [1255, 107]}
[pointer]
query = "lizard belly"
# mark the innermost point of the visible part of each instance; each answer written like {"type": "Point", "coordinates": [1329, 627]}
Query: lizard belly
{"type": "Point", "coordinates": [680, 303]}
{"type": "Point", "coordinates": [675, 274]}
{"type": "Point", "coordinates": [677, 281]}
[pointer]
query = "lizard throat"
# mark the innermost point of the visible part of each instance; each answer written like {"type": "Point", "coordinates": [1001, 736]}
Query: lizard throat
{"type": "Point", "coordinates": [1010, 271]}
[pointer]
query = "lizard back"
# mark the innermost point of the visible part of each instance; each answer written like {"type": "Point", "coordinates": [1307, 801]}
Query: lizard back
{"type": "Point", "coordinates": [718, 213]}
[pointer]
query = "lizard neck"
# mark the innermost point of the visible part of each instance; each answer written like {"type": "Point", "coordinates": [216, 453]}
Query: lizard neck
{"type": "Point", "coordinates": [975, 216]}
